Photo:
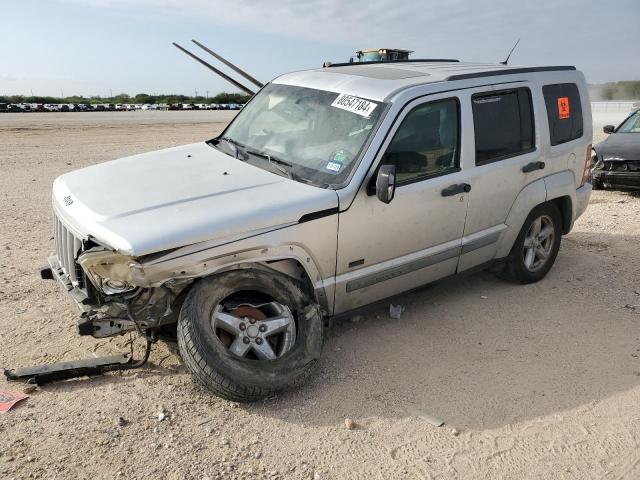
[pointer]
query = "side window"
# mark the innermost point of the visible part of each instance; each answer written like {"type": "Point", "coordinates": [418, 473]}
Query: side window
{"type": "Point", "coordinates": [503, 124]}
{"type": "Point", "coordinates": [564, 112]}
{"type": "Point", "coordinates": [427, 142]}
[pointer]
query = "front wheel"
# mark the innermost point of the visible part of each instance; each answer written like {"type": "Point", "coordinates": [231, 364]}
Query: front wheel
{"type": "Point", "coordinates": [247, 334]}
{"type": "Point", "coordinates": [536, 247]}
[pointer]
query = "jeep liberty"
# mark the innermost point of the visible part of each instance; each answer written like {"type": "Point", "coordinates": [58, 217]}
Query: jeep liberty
{"type": "Point", "coordinates": [330, 190]}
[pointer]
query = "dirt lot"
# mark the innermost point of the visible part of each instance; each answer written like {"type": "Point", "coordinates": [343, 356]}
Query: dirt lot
{"type": "Point", "coordinates": [538, 381]}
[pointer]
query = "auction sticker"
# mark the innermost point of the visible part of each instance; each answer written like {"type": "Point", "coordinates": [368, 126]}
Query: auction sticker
{"type": "Point", "coordinates": [563, 107]}
{"type": "Point", "coordinates": [356, 105]}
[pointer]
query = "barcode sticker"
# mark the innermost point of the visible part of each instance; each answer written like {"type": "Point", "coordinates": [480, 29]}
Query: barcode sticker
{"type": "Point", "coordinates": [355, 105]}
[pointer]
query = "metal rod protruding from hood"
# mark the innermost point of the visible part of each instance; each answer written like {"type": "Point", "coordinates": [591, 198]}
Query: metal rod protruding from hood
{"type": "Point", "coordinates": [257, 83]}
{"type": "Point", "coordinates": [214, 69]}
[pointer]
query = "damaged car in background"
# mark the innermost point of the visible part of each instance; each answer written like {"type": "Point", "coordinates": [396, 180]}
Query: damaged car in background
{"type": "Point", "coordinates": [616, 160]}
{"type": "Point", "coordinates": [330, 190]}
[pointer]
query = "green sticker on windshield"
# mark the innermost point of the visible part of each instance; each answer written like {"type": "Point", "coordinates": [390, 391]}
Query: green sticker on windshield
{"type": "Point", "coordinates": [340, 156]}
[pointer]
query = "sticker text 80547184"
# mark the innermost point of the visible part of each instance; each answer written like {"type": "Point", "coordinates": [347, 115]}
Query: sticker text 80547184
{"type": "Point", "coordinates": [355, 105]}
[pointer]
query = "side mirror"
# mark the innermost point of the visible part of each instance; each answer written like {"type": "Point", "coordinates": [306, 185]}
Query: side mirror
{"type": "Point", "coordinates": [386, 183]}
{"type": "Point", "coordinates": [609, 129]}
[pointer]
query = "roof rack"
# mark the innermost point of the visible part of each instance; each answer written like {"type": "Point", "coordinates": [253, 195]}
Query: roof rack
{"type": "Point", "coordinates": [372, 62]}
{"type": "Point", "coordinates": [508, 71]}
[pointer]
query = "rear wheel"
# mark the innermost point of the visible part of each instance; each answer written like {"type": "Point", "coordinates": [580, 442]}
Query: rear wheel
{"type": "Point", "coordinates": [536, 247]}
{"type": "Point", "coordinates": [248, 333]}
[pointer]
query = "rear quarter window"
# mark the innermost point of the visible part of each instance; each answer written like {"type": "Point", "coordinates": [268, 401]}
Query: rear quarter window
{"type": "Point", "coordinates": [564, 112]}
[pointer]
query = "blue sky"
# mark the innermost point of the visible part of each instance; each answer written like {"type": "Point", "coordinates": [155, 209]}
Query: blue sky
{"type": "Point", "coordinates": [94, 47]}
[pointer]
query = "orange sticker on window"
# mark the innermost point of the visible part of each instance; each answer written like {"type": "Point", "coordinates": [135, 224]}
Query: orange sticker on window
{"type": "Point", "coordinates": [563, 107]}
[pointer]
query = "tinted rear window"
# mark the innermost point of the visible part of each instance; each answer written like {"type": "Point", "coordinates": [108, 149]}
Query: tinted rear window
{"type": "Point", "coordinates": [564, 112]}
{"type": "Point", "coordinates": [503, 124]}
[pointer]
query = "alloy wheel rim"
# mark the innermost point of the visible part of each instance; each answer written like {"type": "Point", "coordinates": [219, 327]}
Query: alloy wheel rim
{"type": "Point", "coordinates": [538, 243]}
{"type": "Point", "coordinates": [263, 331]}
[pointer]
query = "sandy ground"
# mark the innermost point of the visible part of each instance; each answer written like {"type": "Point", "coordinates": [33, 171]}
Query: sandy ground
{"type": "Point", "coordinates": [539, 381]}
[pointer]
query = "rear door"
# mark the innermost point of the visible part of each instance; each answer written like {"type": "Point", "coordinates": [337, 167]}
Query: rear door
{"type": "Point", "coordinates": [507, 157]}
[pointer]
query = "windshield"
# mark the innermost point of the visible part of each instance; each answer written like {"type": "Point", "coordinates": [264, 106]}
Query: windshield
{"type": "Point", "coordinates": [311, 135]}
{"type": "Point", "coordinates": [631, 124]}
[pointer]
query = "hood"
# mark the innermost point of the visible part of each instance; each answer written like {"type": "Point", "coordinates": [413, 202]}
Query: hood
{"type": "Point", "coordinates": [620, 146]}
{"type": "Point", "coordinates": [180, 196]}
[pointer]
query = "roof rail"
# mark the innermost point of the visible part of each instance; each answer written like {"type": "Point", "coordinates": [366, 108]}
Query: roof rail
{"type": "Point", "coordinates": [508, 71]}
{"type": "Point", "coordinates": [413, 60]}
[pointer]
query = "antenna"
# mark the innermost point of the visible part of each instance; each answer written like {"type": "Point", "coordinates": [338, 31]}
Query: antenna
{"type": "Point", "coordinates": [214, 69]}
{"type": "Point", "coordinates": [237, 69]}
{"type": "Point", "coordinates": [506, 60]}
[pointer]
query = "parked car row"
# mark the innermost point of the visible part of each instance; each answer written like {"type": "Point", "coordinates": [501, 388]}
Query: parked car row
{"type": "Point", "coordinates": [111, 107]}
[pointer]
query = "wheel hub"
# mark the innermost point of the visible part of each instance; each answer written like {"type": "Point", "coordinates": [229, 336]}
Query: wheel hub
{"type": "Point", "coordinates": [538, 243]}
{"type": "Point", "coordinates": [252, 331]}
{"type": "Point", "coordinates": [265, 331]}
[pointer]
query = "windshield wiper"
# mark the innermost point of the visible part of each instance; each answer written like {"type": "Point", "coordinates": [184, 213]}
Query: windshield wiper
{"type": "Point", "coordinates": [276, 162]}
{"type": "Point", "coordinates": [237, 146]}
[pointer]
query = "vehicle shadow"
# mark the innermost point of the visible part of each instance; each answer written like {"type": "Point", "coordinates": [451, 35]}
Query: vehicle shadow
{"type": "Point", "coordinates": [478, 352]}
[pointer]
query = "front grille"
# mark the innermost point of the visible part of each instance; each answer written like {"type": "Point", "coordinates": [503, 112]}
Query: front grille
{"type": "Point", "coordinates": [67, 248]}
{"type": "Point", "coordinates": [623, 166]}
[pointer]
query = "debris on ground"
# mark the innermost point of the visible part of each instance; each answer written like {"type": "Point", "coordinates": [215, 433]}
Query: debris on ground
{"type": "Point", "coordinates": [395, 311]}
{"type": "Point", "coordinates": [121, 422]}
{"type": "Point", "coordinates": [9, 399]}
{"type": "Point", "coordinates": [29, 389]}
{"type": "Point", "coordinates": [455, 432]}
{"type": "Point", "coordinates": [483, 297]}
{"type": "Point", "coordinates": [162, 414]}
{"type": "Point", "coordinates": [436, 422]}
{"type": "Point", "coordinates": [350, 424]}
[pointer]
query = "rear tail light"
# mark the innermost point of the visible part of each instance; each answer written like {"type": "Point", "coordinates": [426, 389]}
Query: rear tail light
{"type": "Point", "coordinates": [587, 166]}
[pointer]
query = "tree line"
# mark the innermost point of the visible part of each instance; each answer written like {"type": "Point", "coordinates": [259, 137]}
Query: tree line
{"type": "Point", "coordinates": [125, 98]}
{"type": "Point", "coordinates": [627, 90]}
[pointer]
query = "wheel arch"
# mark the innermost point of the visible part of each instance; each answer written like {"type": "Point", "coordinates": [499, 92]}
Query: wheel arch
{"type": "Point", "coordinates": [558, 188]}
{"type": "Point", "coordinates": [565, 205]}
{"type": "Point", "coordinates": [291, 260]}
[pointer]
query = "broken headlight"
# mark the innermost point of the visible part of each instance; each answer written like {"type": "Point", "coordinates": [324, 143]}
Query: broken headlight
{"type": "Point", "coordinates": [110, 272]}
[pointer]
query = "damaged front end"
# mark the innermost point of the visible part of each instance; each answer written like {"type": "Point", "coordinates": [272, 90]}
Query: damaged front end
{"type": "Point", "coordinates": [112, 293]}
{"type": "Point", "coordinates": [615, 172]}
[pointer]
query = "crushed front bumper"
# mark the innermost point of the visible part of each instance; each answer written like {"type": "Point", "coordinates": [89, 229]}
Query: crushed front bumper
{"type": "Point", "coordinates": [622, 180]}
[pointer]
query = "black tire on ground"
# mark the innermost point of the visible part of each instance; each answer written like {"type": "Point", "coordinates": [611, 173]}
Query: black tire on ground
{"type": "Point", "coordinates": [227, 375]}
{"type": "Point", "coordinates": [515, 269]}
{"type": "Point", "coordinates": [596, 184]}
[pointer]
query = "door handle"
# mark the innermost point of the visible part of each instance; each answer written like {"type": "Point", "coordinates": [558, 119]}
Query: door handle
{"type": "Point", "coordinates": [455, 189]}
{"type": "Point", "coordinates": [530, 167]}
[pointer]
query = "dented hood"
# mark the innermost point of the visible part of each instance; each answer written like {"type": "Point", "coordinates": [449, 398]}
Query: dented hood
{"type": "Point", "coordinates": [620, 146]}
{"type": "Point", "coordinates": [180, 196]}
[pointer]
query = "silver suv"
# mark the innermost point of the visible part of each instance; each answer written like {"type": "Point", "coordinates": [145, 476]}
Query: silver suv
{"type": "Point", "coordinates": [332, 189]}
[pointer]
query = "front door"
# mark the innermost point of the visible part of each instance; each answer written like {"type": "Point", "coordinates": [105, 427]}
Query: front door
{"type": "Point", "coordinates": [384, 249]}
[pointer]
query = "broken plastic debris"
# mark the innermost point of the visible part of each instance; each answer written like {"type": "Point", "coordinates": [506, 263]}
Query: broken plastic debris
{"type": "Point", "coordinates": [395, 311]}
{"type": "Point", "coordinates": [9, 399]}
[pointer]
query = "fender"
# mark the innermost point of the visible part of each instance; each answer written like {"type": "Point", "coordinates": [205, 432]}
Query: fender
{"type": "Point", "coordinates": [563, 184]}
{"type": "Point", "coordinates": [193, 262]}
{"type": "Point", "coordinates": [558, 185]}
{"type": "Point", "coordinates": [533, 194]}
